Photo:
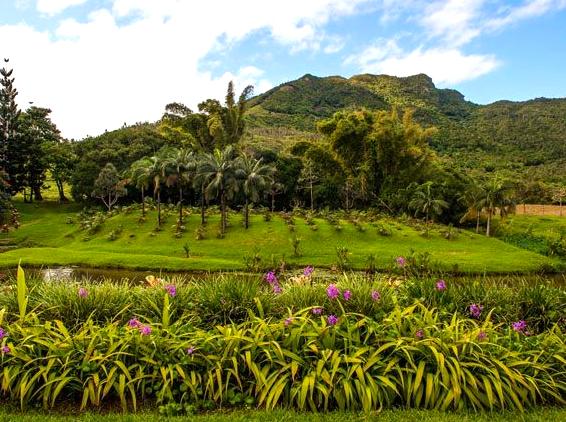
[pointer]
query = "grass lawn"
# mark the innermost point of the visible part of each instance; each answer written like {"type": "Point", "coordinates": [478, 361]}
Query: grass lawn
{"type": "Point", "coordinates": [47, 239]}
{"type": "Point", "coordinates": [542, 415]}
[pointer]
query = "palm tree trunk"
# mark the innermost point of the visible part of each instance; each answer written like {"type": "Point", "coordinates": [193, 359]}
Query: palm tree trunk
{"type": "Point", "coordinates": [143, 202]}
{"type": "Point", "coordinates": [312, 199]}
{"type": "Point", "coordinates": [488, 229]}
{"type": "Point", "coordinates": [159, 208]}
{"type": "Point", "coordinates": [272, 201]}
{"type": "Point", "coordinates": [560, 202]}
{"type": "Point", "coordinates": [202, 210]}
{"type": "Point", "coordinates": [222, 211]}
{"type": "Point", "coordinates": [247, 214]}
{"type": "Point", "coordinates": [478, 223]}
{"type": "Point", "coordinates": [180, 205]}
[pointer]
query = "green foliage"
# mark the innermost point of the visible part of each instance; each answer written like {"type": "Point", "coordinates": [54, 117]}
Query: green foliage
{"type": "Point", "coordinates": [305, 364]}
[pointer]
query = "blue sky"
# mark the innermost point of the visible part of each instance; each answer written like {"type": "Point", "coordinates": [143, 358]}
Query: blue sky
{"type": "Point", "coordinates": [101, 63]}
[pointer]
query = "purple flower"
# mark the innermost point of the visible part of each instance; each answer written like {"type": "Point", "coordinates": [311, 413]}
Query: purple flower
{"type": "Point", "coordinates": [440, 285]}
{"type": "Point", "coordinates": [288, 321]}
{"type": "Point", "coordinates": [83, 292]}
{"type": "Point", "coordinates": [271, 278]}
{"type": "Point", "coordinates": [145, 330]}
{"type": "Point", "coordinates": [308, 271]}
{"type": "Point", "coordinates": [520, 326]}
{"type": "Point", "coordinates": [5, 349]}
{"type": "Point", "coordinates": [332, 320]}
{"type": "Point", "coordinates": [317, 311]}
{"type": "Point", "coordinates": [134, 323]}
{"type": "Point", "coordinates": [3, 333]}
{"type": "Point", "coordinates": [171, 289]}
{"type": "Point", "coordinates": [419, 333]}
{"type": "Point", "coordinates": [482, 335]}
{"type": "Point", "coordinates": [332, 291]}
{"type": "Point", "coordinates": [347, 294]}
{"type": "Point", "coordinates": [375, 295]}
{"type": "Point", "coordinates": [401, 261]}
{"type": "Point", "coordinates": [277, 289]}
{"type": "Point", "coordinates": [475, 310]}
{"type": "Point", "coordinates": [190, 350]}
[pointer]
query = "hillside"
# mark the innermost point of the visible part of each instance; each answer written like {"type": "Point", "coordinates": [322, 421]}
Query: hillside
{"type": "Point", "coordinates": [51, 235]}
{"type": "Point", "coordinates": [530, 136]}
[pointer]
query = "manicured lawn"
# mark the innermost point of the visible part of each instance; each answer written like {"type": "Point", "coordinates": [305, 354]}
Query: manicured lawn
{"type": "Point", "coordinates": [542, 415]}
{"type": "Point", "coordinates": [46, 238]}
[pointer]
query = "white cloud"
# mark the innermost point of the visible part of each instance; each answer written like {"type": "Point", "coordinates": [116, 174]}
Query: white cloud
{"type": "Point", "coordinates": [54, 7]}
{"type": "Point", "coordinates": [97, 74]}
{"type": "Point", "coordinates": [529, 9]}
{"type": "Point", "coordinates": [444, 65]}
{"type": "Point", "coordinates": [453, 20]}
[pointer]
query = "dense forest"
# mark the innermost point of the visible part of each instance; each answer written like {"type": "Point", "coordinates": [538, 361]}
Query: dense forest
{"type": "Point", "coordinates": [397, 144]}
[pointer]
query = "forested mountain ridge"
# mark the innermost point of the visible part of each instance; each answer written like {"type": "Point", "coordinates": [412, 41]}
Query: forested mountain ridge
{"type": "Point", "coordinates": [527, 136]}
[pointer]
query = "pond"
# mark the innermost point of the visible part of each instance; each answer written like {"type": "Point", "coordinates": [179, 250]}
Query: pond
{"type": "Point", "coordinates": [138, 276]}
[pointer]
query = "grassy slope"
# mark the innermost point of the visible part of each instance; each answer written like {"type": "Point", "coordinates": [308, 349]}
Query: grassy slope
{"type": "Point", "coordinates": [542, 415]}
{"type": "Point", "coordinates": [49, 240]}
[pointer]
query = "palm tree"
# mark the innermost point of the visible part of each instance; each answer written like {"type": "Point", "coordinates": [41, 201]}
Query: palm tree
{"type": "Point", "coordinates": [255, 176]}
{"type": "Point", "coordinates": [497, 196]}
{"type": "Point", "coordinates": [275, 188]}
{"type": "Point", "coordinates": [424, 202]}
{"type": "Point", "coordinates": [472, 199]}
{"type": "Point", "coordinates": [179, 167]}
{"type": "Point", "coordinates": [139, 174]}
{"type": "Point", "coordinates": [217, 171]}
{"type": "Point", "coordinates": [157, 170]}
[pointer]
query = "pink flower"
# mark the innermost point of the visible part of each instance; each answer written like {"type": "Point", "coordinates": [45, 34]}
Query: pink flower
{"type": "Point", "coordinates": [401, 261]}
{"type": "Point", "coordinates": [3, 333]}
{"type": "Point", "coordinates": [332, 320]}
{"type": "Point", "coordinates": [332, 291]}
{"type": "Point", "coordinates": [482, 335]}
{"type": "Point", "coordinates": [308, 271]}
{"type": "Point", "coordinates": [83, 292]}
{"type": "Point", "coordinates": [440, 285]}
{"type": "Point", "coordinates": [288, 321]}
{"type": "Point", "coordinates": [277, 289]}
{"type": "Point", "coordinates": [190, 350]}
{"type": "Point", "coordinates": [375, 295]}
{"type": "Point", "coordinates": [171, 289]}
{"type": "Point", "coordinates": [317, 311]}
{"type": "Point", "coordinates": [347, 294]}
{"type": "Point", "coordinates": [271, 278]}
{"type": "Point", "coordinates": [5, 349]}
{"type": "Point", "coordinates": [419, 333]}
{"type": "Point", "coordinates": [475, 310]}
{"type": "Point", "coordinates": [134, 323]}
{"type": "Point", "coordinates": [520, 326]}
{"type": "Point", "coordinates": [145, 330]}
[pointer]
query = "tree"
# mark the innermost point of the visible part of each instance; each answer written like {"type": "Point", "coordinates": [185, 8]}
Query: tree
{"type": "Point", "coordinates": [425, 202]}
{"type": "Point", "coordinates": [108, 186]}
{"type": "Point", "coordinates": [157, 170]}
{"type": "Point", "coordinates": [139, 174]}
{"type": "Point", "coordinates": [36, 134]}
{"type": "Point", "coordinates": [497, 196]}
{"type": "Point", "coordinates": [472, 198]}
{"type": "Point", "coordinates": [275, 188]}
{"type": "Point", "coordinates": [226, 124]}
{"type": "Point", "coordinates": [255, 177]}
{"type": "Point", "coordinates": [558, 195]}
{"type": "Point", "coordinates": [309, 178]}
{"type": "Point", "coordinates": [9, 115]}
{"type": "Point", "coordinates": [217, 171]}
{"type": "Point", "coordinates": [62, 161]}
{"type": "Point", "coordinates": [179, 169]}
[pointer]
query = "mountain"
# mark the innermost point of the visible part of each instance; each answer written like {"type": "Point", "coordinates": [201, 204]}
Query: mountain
{"type": "Point", "coordinates": [527, 137]}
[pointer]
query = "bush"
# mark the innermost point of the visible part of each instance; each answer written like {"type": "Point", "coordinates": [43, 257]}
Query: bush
{"type": "Point", "coordinates": [410, 359]}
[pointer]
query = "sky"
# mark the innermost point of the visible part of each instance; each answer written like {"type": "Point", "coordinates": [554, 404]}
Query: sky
{"type": "Point", "coordinates": [99, 64]}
